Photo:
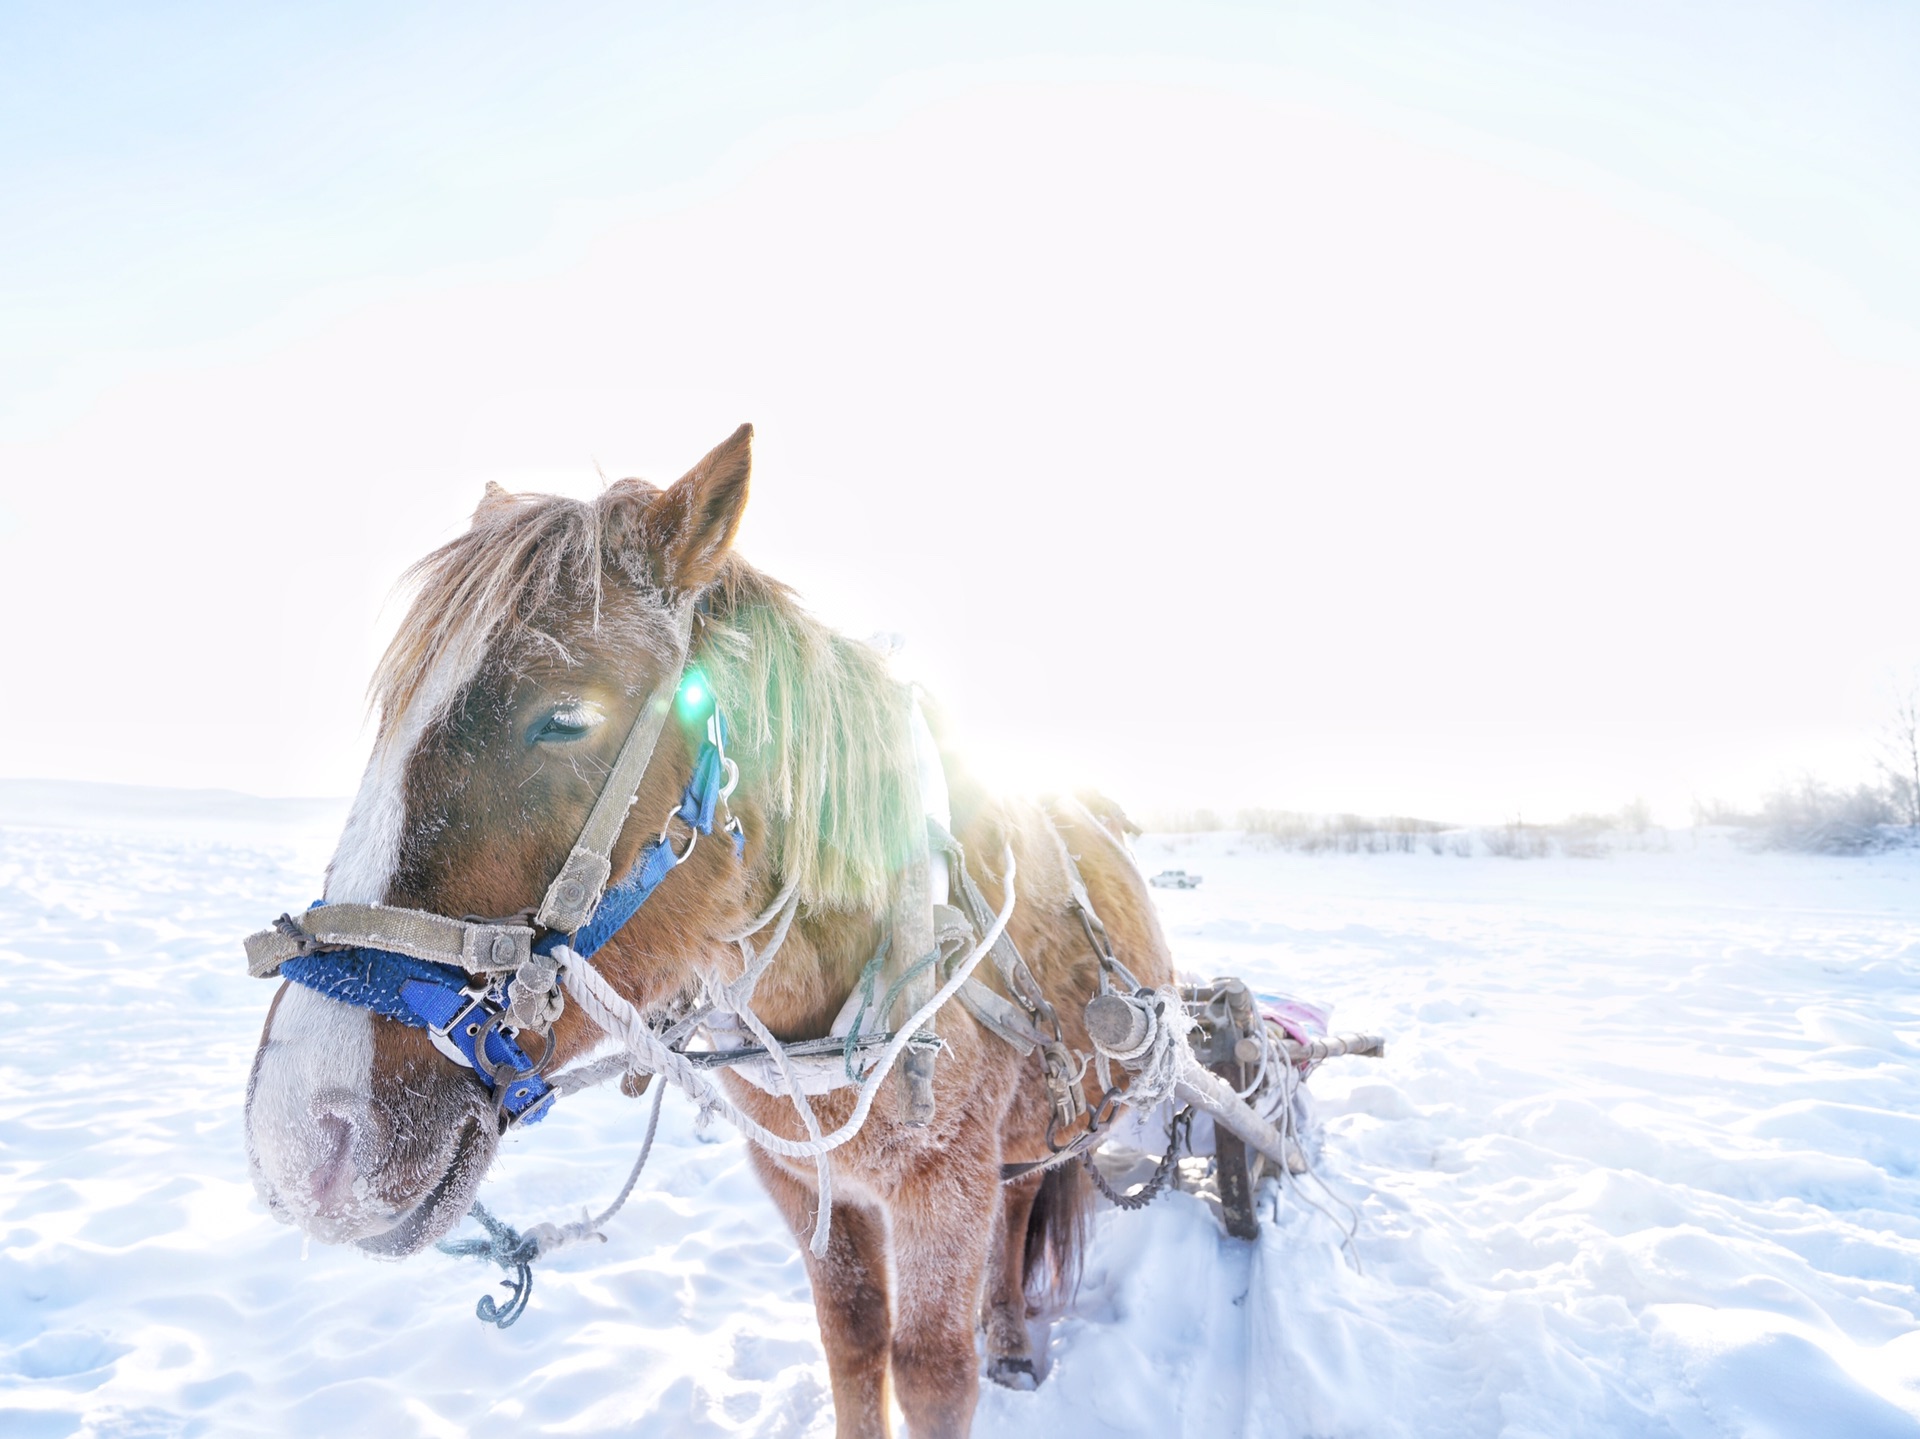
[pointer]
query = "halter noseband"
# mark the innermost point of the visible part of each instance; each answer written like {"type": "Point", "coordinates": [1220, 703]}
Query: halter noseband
{"type": "Point", "coordinates": [475, 985]}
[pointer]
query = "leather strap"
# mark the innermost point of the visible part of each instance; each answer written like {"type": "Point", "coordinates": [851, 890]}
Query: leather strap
{"type": "Point", "coordinates": [1001, 1017]}
{"type": "Point", "coordinates": [477, 948]}
{"type": "Point", "coordinates": [576, 889]}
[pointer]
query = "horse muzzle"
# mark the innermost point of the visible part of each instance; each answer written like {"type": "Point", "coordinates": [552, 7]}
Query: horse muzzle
{"type": "Point", "coordinates": [330, 1149]}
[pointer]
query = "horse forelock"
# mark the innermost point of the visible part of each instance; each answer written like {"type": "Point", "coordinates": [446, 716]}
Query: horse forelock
{"type": "Point", "coordinates": [524, 579]}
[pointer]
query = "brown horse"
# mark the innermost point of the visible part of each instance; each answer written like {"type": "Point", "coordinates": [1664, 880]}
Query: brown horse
{"type": "Point", "coordinates": [525, 655]}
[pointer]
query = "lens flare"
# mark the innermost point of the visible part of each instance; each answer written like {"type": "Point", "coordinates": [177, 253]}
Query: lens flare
{"type": "Point", "coordinates": [696, 696]}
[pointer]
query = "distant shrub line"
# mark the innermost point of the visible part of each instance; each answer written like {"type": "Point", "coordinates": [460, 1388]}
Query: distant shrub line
{"type": "Point", "coordinates": [1803, 815]}
{"type": "Point", "coordinates": [1305, 833]}
{"type": "Point", "coordinates": [1814, 818]}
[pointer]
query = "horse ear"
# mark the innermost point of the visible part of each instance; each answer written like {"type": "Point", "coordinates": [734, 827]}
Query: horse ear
{"type": "Point", "coordinates": [493, 500]}
{"type": "Point", "coordinates": [694, 521]}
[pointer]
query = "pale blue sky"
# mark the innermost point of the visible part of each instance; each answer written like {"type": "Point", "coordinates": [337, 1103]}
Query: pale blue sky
{"type": "Point", "coordinates": [1503, 408]}
{"type": "Point", "coordinates": [176, 172]}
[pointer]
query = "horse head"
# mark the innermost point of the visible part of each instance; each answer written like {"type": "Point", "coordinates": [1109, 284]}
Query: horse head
{"type": "Point", "coordinates": [529, 648]}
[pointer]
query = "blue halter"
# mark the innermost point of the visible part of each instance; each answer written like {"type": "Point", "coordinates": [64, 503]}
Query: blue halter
{"type": "Point", "coordinates": [469, 1022]}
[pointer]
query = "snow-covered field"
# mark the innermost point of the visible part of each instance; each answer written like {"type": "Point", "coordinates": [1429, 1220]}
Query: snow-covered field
{"type": "Point", "coordinates": [1642, 1160]}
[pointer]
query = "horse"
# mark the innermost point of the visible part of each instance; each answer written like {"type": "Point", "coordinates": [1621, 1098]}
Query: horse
{"type": "Point", "coordinates": [530, 644]}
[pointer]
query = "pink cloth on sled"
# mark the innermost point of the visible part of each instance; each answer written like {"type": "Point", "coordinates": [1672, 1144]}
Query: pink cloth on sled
{"type": "Point", "coordinates": [1302, 1021]}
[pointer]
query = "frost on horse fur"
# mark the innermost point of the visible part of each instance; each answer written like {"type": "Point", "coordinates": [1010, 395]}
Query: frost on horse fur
{"type": "Point", "coordinates": [531, 642]}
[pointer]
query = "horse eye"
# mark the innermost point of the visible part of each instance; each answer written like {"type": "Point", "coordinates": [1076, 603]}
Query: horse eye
{"type": "Point", "coordinates": [571, 721]}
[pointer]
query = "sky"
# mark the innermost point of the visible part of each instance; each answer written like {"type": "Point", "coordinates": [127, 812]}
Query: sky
{"type": "Point", "coordinates": [1468, 410]}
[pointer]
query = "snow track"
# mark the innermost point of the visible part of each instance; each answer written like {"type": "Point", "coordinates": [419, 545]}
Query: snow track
{"type": "Point", "coordinates": [1644, 1159]}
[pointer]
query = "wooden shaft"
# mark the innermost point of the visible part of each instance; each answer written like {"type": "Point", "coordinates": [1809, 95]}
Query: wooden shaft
{"type": "Point", "coordinates": [1204, 1090]}
{"type": "Point", "coordinates": [1371, 1046]}
{"type": "Point", "coordinates": [1116, 1024]}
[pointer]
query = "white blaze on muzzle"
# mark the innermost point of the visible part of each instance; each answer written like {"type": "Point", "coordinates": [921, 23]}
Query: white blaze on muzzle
{"type": "Point", "coordinates": [312, 1137]}
{"type": "Point", "coordinates": [311, 1133]}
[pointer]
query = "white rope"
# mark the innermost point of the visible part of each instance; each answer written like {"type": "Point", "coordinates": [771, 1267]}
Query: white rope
{"type": "Point", "coordinates": [1289, 1183]}
{"type": "Point", "coordinates": [609, 1009]}
{"type": "Point", "coordinates": [1156, 1060]}
{"type": "Point", "coordinates": [586, 1076]}
{"type": "Point", "coordinates": [1266, 1048]}
{"type": "Point", "coordinates": [785, 905]}
{"type": "Point", "coordinates": [739, 994]}
{"type": "Point", "coordinates": [765, 917]}
{"type": "Point", "coordinates": [822, 1169]}
{"type": "Point", "coordinates": [547, 1237]}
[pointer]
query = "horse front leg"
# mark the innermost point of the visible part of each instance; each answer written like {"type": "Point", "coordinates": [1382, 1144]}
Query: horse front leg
{"type": "Point", "coordinates": [849, 1296]}
{"type": "Point", "coordinates": [943, 1226]}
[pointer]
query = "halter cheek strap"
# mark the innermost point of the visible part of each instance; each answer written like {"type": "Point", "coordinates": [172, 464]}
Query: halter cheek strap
{"type": "Point", "coordinates": [575, 890]}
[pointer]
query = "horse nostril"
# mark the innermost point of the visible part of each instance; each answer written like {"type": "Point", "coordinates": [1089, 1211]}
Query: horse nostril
{"type": "Point", "coordinates": [332, 1180]}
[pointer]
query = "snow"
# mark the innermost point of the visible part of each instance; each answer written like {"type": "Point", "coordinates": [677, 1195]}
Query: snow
{"type": "Point", "coordinates": [1643, 1158]}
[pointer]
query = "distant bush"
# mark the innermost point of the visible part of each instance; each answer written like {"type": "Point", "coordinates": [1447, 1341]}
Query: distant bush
{"type": "Point", "coordinates": [1582, 836]}
{"type": "Point", "coordinates": [1815, 818]}
{"type": "Point", "coordinates": [1517, 840]}
{"type": "Point", "coordinates": [1720, 812]}
{"type": "Point", "coordinates": [1900, 752]}
{"type": "Point", "coordinates": [1339, 833]}
{"type": "Point", "coordinates": [1811, 817]}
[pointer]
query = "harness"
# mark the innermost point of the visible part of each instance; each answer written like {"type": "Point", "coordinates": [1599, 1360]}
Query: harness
{"type": "Point", "coordinates": [476, 986]}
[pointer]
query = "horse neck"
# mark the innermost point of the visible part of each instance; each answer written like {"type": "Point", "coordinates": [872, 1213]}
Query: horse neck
{"type": "Point", "coordinates": [818, 967]}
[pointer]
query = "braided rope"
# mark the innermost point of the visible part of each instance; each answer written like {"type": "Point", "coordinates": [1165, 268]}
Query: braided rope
{"type": "Point", "coordinates": [822, 1169]}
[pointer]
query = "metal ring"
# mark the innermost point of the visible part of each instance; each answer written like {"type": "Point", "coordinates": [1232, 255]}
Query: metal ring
{"type": "Point", "coordinates": [540, 1064]}
{"type": "Point", "coordinates": [488, 1069]}
{"type": "Point", "coordinates": [693, 838]}
{"type": "Point", "coordinates": [493, 1071]}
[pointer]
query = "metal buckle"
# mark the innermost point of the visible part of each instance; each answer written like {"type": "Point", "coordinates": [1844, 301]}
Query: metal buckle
{"type": "Point", "coordinates": [441, 1035]}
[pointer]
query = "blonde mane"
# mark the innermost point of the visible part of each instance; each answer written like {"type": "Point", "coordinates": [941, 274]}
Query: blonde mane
{"type": "Point", "coordinates": [820, 732]}
{"type": "Point", "coordinates": [818, 725]}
